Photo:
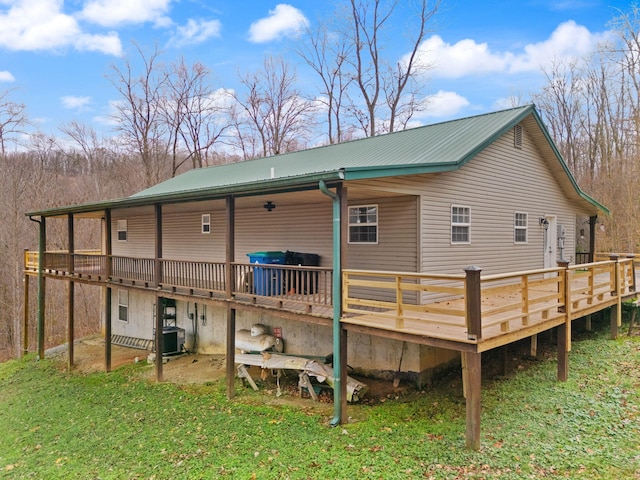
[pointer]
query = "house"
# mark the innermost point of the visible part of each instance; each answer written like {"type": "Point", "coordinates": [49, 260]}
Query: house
{"type": "Point", "coordinates": [288, 242]}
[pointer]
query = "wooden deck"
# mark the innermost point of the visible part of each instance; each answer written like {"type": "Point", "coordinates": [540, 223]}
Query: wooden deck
{"type": "Point", "coordinates": [509, 307]}
{"type": "Point", "coordinates": [466, 312]}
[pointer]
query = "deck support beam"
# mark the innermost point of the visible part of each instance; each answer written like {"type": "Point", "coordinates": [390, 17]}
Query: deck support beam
{"type": "Point", "coordinates": [472, 380]}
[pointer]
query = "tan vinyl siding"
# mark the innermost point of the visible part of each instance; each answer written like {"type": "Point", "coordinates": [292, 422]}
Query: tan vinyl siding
{"type": "Point", "coordinates": [140, 235]}
{"type": "Point", "coordinates": [302, 228]}
{"type": "Point", "coordinates": [396, 249]}
{"type": "Point", "coordinates": [182, 237]}
{"type": "Point", "coordinates": [500, 181]}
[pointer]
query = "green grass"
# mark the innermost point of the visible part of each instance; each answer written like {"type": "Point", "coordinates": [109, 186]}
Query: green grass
{"type": "Point", "coordinates": [59, 425]}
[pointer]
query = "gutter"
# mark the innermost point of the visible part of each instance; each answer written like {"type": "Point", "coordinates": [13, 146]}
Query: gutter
{"type": "Point", "coordinates": [335, 294]}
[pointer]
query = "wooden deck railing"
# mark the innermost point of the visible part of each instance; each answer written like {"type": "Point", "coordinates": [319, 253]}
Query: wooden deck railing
{"type": "Point", "coordinates": [476, 305]}
{"type": "Point", "coordinates": [297, 287]}
{"type": "Point", "coordinates": [504, 302]}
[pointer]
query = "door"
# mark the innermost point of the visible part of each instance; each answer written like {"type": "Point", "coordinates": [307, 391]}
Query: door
{"type": "Point", "coordinates": [550, 225]}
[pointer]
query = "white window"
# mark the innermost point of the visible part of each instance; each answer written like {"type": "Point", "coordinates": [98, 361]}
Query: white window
{"type": "Point", "coordinates": [123, 305]}
{"type": "Point", "coordinates": [206, 223]}
{"type": "Point", "coordinates": [520, 227]}
{"type": "Point", "coordinates": [460, 224]}
{"type": "Point", "coordinates": [363, 224]}
{"type": "Point", "coordinates": [121, 228]}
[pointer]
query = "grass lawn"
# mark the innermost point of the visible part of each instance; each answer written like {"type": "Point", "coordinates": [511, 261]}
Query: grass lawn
{"type": "Point", "coordinates": [59, 425]}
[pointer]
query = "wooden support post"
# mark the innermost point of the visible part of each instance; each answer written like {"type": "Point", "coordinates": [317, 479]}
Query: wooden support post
{"type": "Point", "coordinates": [534, 346]}
{"type": "Point", "coordinates": [70, 293]}
{"type": "Point", "coordinates": [159, 337]}
{"type": "Point", "coordinates": [593, 220]}
{"type": "Point", "coordinates": [231, 351]}
{"type": "Point", "coordinates": [108, 244]}
{"type": "Point", "coordinates": [463, 365]}
{"type": "Point", "coordinates": [107, 330]}
{"type": "Point", "coordinates": [230, 280]}
{"type": "Point", "coordinates": [25, 318]}
{"type": "Point", "coordinates": [230, 286]}
{"type": "Point", "coordinates": [473, 303]}
{"type": "Point", "coordinates": [157, 274]}
{"type": "Point", "coordinates": [563, 354]}
{"type": "Point", "coordinates": [613, 322]}
{"type": "Point", "coordinates": [473, 383]}
{"type": "Point", "coordinates": [588, 323]}
{"type": "Point", "coordinates": [505, 360]}
{"type": "Point", "coordinates": [42, 249]}
{"type": "Point", "coordinates": [70, 323]}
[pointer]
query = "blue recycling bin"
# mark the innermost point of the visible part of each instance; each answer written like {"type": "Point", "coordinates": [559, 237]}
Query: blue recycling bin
{"type": "Point", "coordinates": [267, 281]}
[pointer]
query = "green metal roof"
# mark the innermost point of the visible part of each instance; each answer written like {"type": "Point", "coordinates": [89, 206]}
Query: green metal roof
{"type": "Point", "coordinates": [429, 149]}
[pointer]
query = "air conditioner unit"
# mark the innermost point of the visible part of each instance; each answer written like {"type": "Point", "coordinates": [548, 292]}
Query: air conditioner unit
{"type": "Point", "coordinates": [172, 340]}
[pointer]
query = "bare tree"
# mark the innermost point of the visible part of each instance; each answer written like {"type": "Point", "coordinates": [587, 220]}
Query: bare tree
{"type": "Point", "coordinates": [326, 53]}
{"type": "Point", "coordinates": [13, 117]}
{"type": "Point", "coordinates": [139, 112]}
{"type": "Point", "coordinates": [196, 114]}
{"type": "Point", "coordinates": [379, 81]}
{"type": "Point", "coordinates": [275, 111]}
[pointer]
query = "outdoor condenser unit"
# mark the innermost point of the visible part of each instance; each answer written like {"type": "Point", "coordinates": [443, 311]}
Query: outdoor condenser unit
{"type": "Point", "coordinates": [172, 340]}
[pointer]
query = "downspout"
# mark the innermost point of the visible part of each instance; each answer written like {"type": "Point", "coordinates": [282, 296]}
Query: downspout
{"type": "Point", "coordinates": [336, 296]}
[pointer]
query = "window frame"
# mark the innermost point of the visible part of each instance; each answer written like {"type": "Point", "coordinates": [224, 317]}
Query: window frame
{"type": "Point", "coordinates": [353, 226]}
{"type": "Point", "coordinates": [520, 228]}
{"type": "Point", "coordinates": [122, 230]}
{"type": "Point", "coordinates": [205, 225]}
{"type": "Point", "coordinates": [459, 224]}
{"type": "Point", "coordinates": [123, 305]}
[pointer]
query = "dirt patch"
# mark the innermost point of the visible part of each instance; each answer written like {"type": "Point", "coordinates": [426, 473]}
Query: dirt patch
{"type": "Point", "coordinates": [89, 357]}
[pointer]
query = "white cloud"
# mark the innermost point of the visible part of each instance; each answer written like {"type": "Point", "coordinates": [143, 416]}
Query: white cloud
{"type": "Point", "coordinates": [41, 25]}
{"type": "Point", "coordinates": [112, 13]}
{"type": "Point", "coordinates": [75, 103]}
{"type": "Point", "coordinates": [282, 21]}
{"type": "Point", "coordinates": [5, 76]}
{"type": "Point", "coordinates": [443, 104]}
{"type": "Point", "coordinates": [466, 57]}
{"type": "Point", "coordinates": [569, 40]}
{"type": "Point", "coordinates": [196, 31]}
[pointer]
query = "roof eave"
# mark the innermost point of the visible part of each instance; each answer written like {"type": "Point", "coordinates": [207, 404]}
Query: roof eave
{"type": "Point", "coordinates": [248, 189]}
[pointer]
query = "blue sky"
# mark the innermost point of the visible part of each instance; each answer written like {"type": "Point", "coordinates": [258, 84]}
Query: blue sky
{"type": "Point", "coordinates": [56, 53]}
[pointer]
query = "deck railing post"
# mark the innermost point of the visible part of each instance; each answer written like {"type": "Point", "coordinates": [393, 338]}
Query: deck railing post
{"type": "Point", "coordinates": [473, 305]}
{"type": "Point", "coordinates": [564, 331]}
{"type": "Point", "coordinates": [632, 288]}
{"type": "Point", "coordinates": [614, 257]}
{"type": "Point", "coordinates": [563, 289]}
{"type": "Point", "coordinates": [616, 315]}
